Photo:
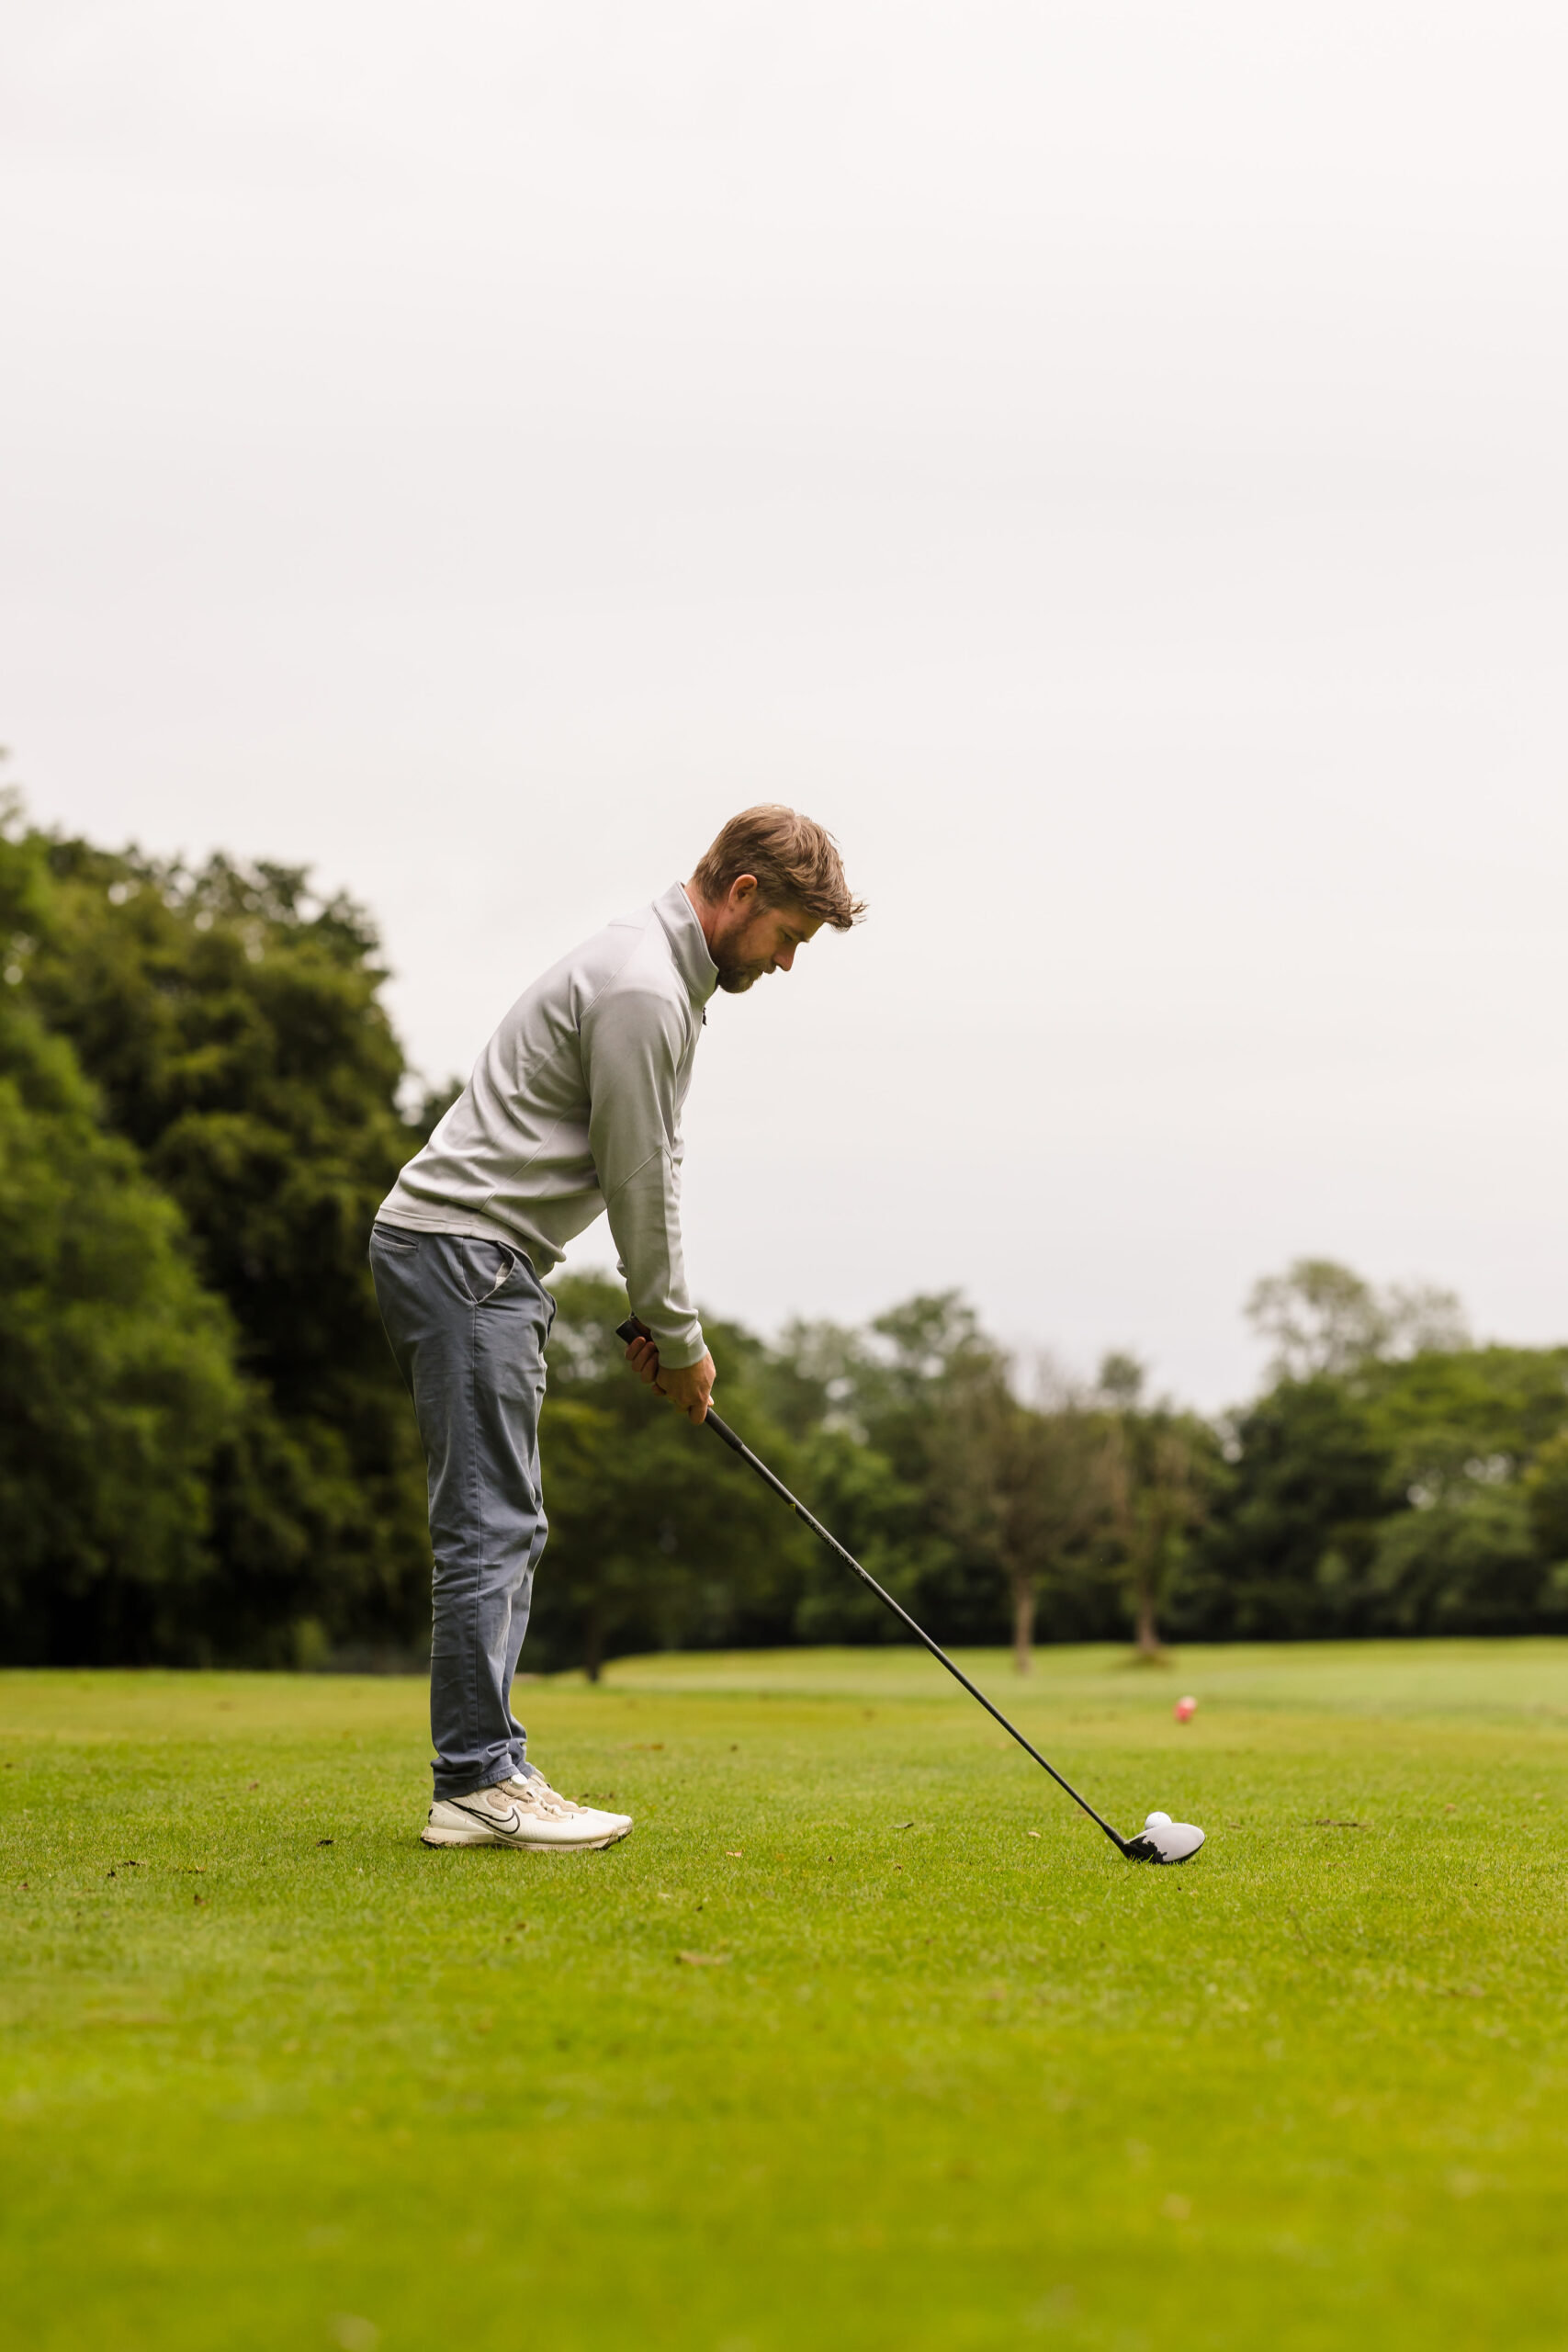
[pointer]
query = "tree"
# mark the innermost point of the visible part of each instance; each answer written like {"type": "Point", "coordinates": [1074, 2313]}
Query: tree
{"type": "Point", "coordinates": [232, 1028]}
{"type": "Point", "coordinates": [860, 1406]}
{"type": "Point", "coordinates": [118, 1379]}
{"type": "Point", "coordinates": [1162, 1466]}
{"type": "Point", "coordinates": [1305, 1481]}
{"type": "Point", "coordinates": [1464, 1561]}
{"type": "Point", "coordinates": [1463, 1434]}
{"type": "Point", "coordinates": [1323, 1319]}
{"type": "Point", "coordinates": [882, 1519]}
{"type": "Point", "coordinates": [658, 1539]}
{"type": "Point", "coordinates": [1474, 1403]}
{"type": "Point", "coordinates": [1023, 1489]}
{"type": "Point", "coordinates": [1546, 1488]}
{"type": "Point", "coordinates": [1404, 1495]}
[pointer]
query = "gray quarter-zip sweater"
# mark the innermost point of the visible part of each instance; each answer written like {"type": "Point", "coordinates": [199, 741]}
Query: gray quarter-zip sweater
{"type": "Point", "coordinates": [574, 1107]}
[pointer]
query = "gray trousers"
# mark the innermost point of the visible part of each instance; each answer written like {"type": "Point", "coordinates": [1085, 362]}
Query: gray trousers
{"type": "Point", "coordinates": [468, 1321]}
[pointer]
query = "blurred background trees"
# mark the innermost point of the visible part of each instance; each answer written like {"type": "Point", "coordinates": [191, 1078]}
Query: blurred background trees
{"type": "Point", "coordinates": [118, 1379]}
{"type": "Point", "coordinates": [221, 1036]}
{"type": "Point", "coordinates": [1164, 1469]}
{"type": "Point", "coordinates": [1319, 1317]}
{"type": "Point", "coordinates": [1034, 1490]}
{"type": "Point", "coordinates": [206, 1453]}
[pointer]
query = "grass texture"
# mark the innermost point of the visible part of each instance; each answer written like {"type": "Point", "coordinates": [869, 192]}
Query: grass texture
{"type": "Point", "coordinates": [864, 2038]}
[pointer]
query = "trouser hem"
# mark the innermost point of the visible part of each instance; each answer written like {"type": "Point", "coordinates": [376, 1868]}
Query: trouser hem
{"type": "Point", "coordinates": [469, 1788]}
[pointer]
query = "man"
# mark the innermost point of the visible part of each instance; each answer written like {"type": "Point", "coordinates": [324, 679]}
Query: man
{"type": "Point", "coordinates": [574, 1107]}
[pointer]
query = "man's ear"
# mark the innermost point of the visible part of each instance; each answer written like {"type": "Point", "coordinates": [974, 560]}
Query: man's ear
{"type": "Point", "coordinates": [742, 892]}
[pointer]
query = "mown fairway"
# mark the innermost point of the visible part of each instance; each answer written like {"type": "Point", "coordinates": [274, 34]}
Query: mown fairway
{"type": "Point", "coordinates": [947, 2084]}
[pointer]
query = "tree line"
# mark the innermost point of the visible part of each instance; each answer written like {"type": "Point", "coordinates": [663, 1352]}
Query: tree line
{"type": "Point", "coordinates": [206, 1454]}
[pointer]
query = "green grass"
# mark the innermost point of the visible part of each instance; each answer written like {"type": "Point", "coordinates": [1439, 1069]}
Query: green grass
{"type": "Point", "coordinates": [946, 2085]}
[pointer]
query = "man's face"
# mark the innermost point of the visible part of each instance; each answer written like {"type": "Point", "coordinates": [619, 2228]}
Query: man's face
{"type": "Point", "coordinates": [750, 939]}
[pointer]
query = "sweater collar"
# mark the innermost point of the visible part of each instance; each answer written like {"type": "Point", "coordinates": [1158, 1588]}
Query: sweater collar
{"type": "Point", "coordinates": [684, 933]}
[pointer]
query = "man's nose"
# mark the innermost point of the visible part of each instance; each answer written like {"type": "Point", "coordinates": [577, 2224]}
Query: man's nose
{"type": "Point", "coordinates": [785, 958]}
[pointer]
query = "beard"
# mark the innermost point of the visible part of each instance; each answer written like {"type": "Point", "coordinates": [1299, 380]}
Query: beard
{"type": "Point", "coordinates": [736, 969]}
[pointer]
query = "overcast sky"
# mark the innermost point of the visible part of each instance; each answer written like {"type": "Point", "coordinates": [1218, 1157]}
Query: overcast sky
{"type": "Point", "coordinates": [1106, 461]}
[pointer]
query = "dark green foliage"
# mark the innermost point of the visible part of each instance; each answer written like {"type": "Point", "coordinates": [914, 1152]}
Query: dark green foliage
{"type": "Point", "coordinates": [1167, 1480]}
{"type": "Point", "coordinates": [1463, 1430]}
{"type": "Point", "coordinates": [1546, 1486]}
{"type": "Point", "coordinates": [881, 1518]}
{"type": "Point", "coordinates": [1414, 1495]}
{"type": "Point", "coordinates": [232, 1030]}
{"type": "Point", "coordinates": [899, 1384]}
{"type": "Point", "coordinates": [1307, 1476]}
{"type": "Point", "coordinates": [117, 1377]}
{"type": "Point", "coordinates": [659, 1539]}
{"type": "Point", "coordinates": [1465, 1564]}
{"type": "Point", "coordinates": [1434, 1412]}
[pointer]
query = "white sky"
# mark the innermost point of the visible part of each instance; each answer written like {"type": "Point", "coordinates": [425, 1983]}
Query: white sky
{"type": "Point", "coordinates": [1107, 461]}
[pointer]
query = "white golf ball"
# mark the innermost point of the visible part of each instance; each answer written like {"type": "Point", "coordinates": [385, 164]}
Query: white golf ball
{"type": "Point", "coordinates": [1156, 1821]}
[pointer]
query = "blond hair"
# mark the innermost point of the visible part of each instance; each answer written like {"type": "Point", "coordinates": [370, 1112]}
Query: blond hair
{"type": "Point", "coordinates": [794, 860]}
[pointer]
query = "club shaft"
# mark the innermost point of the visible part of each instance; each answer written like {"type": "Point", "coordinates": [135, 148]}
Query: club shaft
{"type": "Point", "coordinates": [738, 1445]}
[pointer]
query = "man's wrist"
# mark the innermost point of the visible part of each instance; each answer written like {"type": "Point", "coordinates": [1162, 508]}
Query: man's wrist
{"type": "Point", "coordinates": [676, 1355]}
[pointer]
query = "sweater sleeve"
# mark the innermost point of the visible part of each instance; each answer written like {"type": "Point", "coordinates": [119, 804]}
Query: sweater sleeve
{"type": "Point", "coordinates": [632, 1041]}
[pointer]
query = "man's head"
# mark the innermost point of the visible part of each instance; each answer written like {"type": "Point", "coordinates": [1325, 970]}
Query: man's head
{"type": "Point", "coordinates": [769, 883]}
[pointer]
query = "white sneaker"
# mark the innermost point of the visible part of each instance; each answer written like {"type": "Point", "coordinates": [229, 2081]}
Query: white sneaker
{"type": "Point", "coordinates": [528, 1814]}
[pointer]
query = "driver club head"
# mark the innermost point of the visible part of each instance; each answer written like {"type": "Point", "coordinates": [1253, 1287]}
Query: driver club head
{"type": "Point", "coordinates": [1164, 1840]}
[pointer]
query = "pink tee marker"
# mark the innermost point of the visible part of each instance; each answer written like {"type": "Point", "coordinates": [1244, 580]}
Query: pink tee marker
{"type": "Point", "coordinates": [1185, 1709]}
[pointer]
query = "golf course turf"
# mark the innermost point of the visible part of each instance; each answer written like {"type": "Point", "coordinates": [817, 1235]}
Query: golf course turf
{"type": "Point", "coordinates": [865, 2038]}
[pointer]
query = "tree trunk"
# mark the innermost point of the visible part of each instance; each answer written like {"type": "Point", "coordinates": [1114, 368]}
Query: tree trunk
{"type": "Point", "coordinates": [1148, 1632]}
{"type": "Point", "coordinates": [1022, 1623]}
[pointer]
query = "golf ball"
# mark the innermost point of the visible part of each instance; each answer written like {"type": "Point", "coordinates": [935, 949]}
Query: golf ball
{"type": "Point", "coordinates": [1156, 1821]}
{"type": "Point", "coordinates": [1184, 1710]}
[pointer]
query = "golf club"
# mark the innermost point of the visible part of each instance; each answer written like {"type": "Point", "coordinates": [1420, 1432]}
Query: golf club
{"type": "Point", "coordinates": [1160, 1839]}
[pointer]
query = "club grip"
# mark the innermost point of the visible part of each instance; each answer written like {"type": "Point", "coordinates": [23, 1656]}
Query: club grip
{"type": "Point", "coordinates": [632, 1329]}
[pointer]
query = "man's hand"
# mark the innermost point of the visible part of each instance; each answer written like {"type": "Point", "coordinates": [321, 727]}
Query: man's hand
{"type": "Point", "coordinates": [689, 1387]}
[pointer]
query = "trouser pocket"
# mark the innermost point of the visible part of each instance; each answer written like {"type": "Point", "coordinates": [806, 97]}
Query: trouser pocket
{"type": "Point", "coordinates": [487, 1267]}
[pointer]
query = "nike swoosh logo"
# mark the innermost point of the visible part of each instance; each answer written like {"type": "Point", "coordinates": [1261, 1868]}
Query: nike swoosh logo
{"type": "Point", "coordinates": [490, 1820]}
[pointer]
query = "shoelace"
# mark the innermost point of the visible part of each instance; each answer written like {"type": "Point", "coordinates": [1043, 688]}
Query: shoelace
{"type": "Point", "coordinates": [539, 1797]}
